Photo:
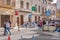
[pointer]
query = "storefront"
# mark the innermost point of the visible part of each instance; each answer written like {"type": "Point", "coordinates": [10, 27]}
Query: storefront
{"type": "Point", "coordinates": [23, 17]}
{"type": "Point", "coordinates": [5, 14]}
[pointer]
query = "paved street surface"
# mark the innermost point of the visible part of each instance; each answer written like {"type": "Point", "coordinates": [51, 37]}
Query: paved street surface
{"type": "Point", "coordinates": [46, 36]}
{"type": "Point", "coordinates": [27, 34]}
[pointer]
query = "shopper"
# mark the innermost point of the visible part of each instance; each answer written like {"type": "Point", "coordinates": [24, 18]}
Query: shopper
{"type": "Point", "coordinates": [40, 24]}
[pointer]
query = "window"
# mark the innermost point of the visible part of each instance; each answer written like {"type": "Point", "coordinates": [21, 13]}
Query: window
{"type": "Point", "coordinates": [51, 0]}
{"type": "Point", "coordinates": [42, 10]}
{"type": "Point", "coordinates": [2, 1]}
{"type": "Point", "coordinates": [44, 1]}
{"type": "Point", "coordinates": [45, 9]}
{"type": "Point", "coordinates": [8, 2]}
{"type": "Point", "coordinates": [39, 0]}
{"type": "Point", "coordinates": [35, 18]}
{"type": "Point", "coordinates": [38, 8]}
{"type": "Point", "coordinates": [27, 4]}
{"type": "Point", "coordinates": [38, 18]}
{"type": "Point", "coordinates": [22, 4]}
{"type": "Point", "coordinates": [13, 3]}
{"type": "Point", "coordinates": [29, 19]}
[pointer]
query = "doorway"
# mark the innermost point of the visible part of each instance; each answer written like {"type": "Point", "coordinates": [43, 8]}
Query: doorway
{"type": "Point", "coordinates": [29, 19]}
{"type": "Point", "coordinates": [3, 18]}
{"type": "Point", "coordinates": [36, 19]}
{"type": "Point", "coordinates": [18, 21]}
{"type": "Point", "coordinates": [21, 19]}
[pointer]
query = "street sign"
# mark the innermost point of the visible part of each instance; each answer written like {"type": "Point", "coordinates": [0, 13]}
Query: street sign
{"type": "Point", "coordinates": [48, 12]}
{"type": "Point", "coordinates": [16, 13]}
{"type": "Point", "coordinates": [33, 8]}
{"type": "Point", "coordinates": [30, 15]}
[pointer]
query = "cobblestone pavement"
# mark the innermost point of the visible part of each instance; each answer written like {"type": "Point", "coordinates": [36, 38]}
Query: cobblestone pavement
{"type": "Point", "coordinates": [29, 34]}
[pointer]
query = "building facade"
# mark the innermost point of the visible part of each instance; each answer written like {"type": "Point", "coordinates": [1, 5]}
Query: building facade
{"type": "Point", "coordinates": [5, 11]}
{"type": "Point", "coordinates": [8, 10]}
{"type": "Point", "coordinates": [58, 10]}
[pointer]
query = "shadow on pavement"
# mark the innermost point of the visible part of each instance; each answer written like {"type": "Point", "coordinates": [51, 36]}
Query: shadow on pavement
{"type": "Point", "coordinates": [1, 35]}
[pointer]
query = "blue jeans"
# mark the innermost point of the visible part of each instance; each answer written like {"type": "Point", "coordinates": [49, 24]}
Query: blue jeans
{"type": "Point", "coordinates": [8, 30]}
{"type": "Point", "coordinates": [40, 28]}
{"type": "Point", "coordinates": [4, 30]}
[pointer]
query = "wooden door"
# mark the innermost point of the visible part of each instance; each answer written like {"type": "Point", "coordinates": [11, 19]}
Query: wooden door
{"type": "Point", "coordinates": [21, 19]}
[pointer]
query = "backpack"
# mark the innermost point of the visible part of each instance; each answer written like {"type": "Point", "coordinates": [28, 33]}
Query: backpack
{"type": "Point", "coordinates": [4, 25]}
{"type": "Point", "coordinates": [44, 22]}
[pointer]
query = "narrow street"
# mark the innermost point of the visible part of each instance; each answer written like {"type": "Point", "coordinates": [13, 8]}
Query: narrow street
{"type": "Point", "coordinates": [27, 34]}
{"type": "Point", "coordinates": [30, 19]}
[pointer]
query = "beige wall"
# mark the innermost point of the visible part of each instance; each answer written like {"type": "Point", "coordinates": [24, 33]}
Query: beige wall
{"type": "Point", "coordinates": [0, 20]}
{"type": "Point", "coordinates": [33, 18]}
{"type": "Point", "coordinates": [25, 17]}
{"type": "Point", "coordinates": [3, 4]}
{"type": "Point", "coordinates": [24, 10]}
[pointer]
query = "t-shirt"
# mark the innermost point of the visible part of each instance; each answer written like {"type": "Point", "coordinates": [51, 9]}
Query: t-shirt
{"type": "Point", "coordinates": [7, 24]}
{"type": "Point", "coordinates": [41, 23]}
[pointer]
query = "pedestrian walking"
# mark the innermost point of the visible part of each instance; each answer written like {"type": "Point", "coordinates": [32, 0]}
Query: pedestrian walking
{"type": "Point", "coordinates": [8, 27]}
{"type": "Point", "coordinates": [5, 27]}
{"type": "Point", "coordinates": [40, 24]}
{"type": "Point", "coordinates": [44, 22]}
